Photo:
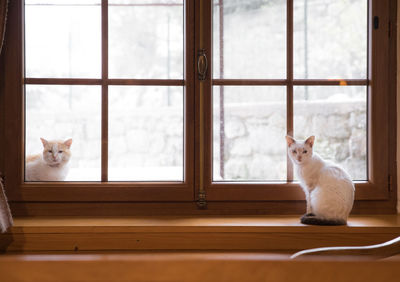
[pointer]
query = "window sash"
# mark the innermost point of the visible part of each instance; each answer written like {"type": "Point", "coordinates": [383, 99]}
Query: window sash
{"type": "Point", "coordinates": [104, 190]}
{"type": "Point", "coordinates": [105, 82]}
{"type": "Point", "coordinates": [378, 129]}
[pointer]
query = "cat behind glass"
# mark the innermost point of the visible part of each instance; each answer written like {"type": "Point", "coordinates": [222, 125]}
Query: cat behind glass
{"type": "Point", "coordinates": [52, 164]}
{"type": "Point", "coordinates": [329, 190]}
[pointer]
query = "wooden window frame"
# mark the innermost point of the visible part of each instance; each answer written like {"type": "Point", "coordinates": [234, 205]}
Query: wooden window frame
{"type": "Point", "coordinates": [378, 195]}
{"type": "Point", "coordinates": [381, 112]}
{"type": "Point", "coordinates": [91, 191]}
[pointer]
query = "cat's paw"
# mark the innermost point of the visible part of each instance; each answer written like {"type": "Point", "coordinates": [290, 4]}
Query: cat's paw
{"type": "Point", "coordinates": [306, 215]}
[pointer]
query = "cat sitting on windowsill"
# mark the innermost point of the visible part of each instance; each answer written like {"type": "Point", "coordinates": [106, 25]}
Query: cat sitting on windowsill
{"type": "Point", "coordinates": [328, 188]}
{"type": "Point", "coordinates": [52, 164]}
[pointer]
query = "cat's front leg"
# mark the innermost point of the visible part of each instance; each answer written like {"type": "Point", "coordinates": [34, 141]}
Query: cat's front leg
{"type": "Point", "coordinates": [306, 191]}
{"type": "Point", "coordinates": [308, 202]}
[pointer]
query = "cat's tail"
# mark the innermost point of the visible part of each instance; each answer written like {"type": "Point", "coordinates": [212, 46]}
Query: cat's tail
{"type": "Point", "coordinates": [382, 250]}
{"type": "Point", "coordinates": [314, 220]}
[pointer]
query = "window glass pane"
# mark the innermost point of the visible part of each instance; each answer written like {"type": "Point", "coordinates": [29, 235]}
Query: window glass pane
{"type": "Point", "coordinates": [146, 39]}
{"type": "Point", "coordinates": [59, 113]}
{"type": "Point", "coordinates": [63, 38]}
{"type": "Point", "coordinates": [337, 116]}
{"type": "Point", "coordinates": [249, 39]}
{"type": "Point", "coordinates": [145, 133]}
{"type": "Point", "coordinates": [249, 127]}
{"type": "Point", "coordinates": [330, 39]}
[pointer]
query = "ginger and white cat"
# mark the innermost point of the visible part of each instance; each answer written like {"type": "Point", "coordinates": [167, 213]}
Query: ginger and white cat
{"type": "Point", "coordinates": [52, 164]}
{"type": "Point", "coordinates": [328, 188]}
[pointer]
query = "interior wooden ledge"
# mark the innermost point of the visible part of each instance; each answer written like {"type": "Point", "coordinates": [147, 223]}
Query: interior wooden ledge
{"type": "Point", "coordinates": [193, 266]}
{"type": "Point", "coordinates": [212, 248]}
{"type": "Point", "coordinates": [218, 233]}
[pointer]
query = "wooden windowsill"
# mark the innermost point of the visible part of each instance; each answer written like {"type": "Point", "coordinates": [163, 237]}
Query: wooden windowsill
{"type": "Point", "coordinates": [270, 233]}
{"type": "Point", "coordinates": [182, 248]}
{"type": "Point", "coordinates": [223, 223]}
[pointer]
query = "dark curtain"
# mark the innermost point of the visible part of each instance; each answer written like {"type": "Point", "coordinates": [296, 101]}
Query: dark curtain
{"type": "Point", "coordinates": [6, 220]}
{"type": "Point", "coordinates": [3, 20]}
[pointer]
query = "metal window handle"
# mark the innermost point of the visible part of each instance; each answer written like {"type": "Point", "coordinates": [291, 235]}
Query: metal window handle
{"type": "Point", "coordinates": [202, 64]}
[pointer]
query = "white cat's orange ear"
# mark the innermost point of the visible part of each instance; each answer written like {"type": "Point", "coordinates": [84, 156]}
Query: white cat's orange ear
{"type": "Point", "coordinates": [310, 141]}
{"type": "Point", "coordinates": [44, 141]}
{"type": "Point", "coordinates": [68, 143]}
{"type": "Point", "coordinates": [290, 140]}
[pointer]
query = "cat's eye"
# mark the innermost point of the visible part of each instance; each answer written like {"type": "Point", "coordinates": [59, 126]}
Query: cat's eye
{"type": "Point", "coordinates": [50, 151]}
{"type": "Point", "coordinates": [60, 152]}
{"type": "Point", "coordinates": [305, 152]}
{"type": "Point", "coordinates": [294, 151]}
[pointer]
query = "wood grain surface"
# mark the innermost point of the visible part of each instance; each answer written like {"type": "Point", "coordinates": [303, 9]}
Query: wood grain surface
{"type": "Point", "coordinates": [267, 233]}
{"type": "Point", "coordinates": [206, 266]}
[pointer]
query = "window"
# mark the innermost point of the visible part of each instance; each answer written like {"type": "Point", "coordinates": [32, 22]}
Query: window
{"type": "Point", "coordinates": [181, 101]}
{"type": "Point", "coordinates": [299, 68]}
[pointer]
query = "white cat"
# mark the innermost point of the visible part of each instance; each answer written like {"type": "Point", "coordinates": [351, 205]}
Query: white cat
{"type": "Point", "coordinates": [328, 188]}
{"type": "Point", "coordinates": [52, 164]}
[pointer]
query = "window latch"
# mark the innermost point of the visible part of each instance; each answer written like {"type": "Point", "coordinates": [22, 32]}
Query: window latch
{"type": "Point", "coordinates": [202, 64]}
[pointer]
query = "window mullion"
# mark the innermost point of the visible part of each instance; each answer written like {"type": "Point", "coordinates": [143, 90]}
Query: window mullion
{"type": "Point", "coordinates": [289, 74]}
{"type": "Point", "coordinates": [221, 96]}
{"type": "Point", "coordinates": [104, 91]}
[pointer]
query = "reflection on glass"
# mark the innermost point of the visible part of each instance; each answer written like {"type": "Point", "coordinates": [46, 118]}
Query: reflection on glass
{"type": "Point", "coordinates": [62, 112]}
{"type": "Point", "coordinates": [337, 116]}
{"type": "Point", "coordinates": [145, 133]}
{"type": "Point", "coordinates": [146, 39]}
{"type": "Point", "coordinates": [330, 39]}
{"type": "Point", "coordinates": [249, 39]}
{"type": "Point", "coordinates": [63, 38]}
{"type": "Point", "coordinates": [249, 128]}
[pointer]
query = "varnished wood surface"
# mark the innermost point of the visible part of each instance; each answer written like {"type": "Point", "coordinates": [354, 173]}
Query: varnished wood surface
{"type": "Point", "coordinates": [268, 233]}
{"type": "Point", "coordinates": [289, 88]}
{"type": "Point", "coordinates": [107, 81]}
{"type": "Point", "coordinates": [104, 90]}
{"type": "Point", "coordinates": [21, 209]}
{"type": "Point", "coordinates": [338, 82]}
{"type": "Point", "coordinates": [370, 222]}
{"type": "Point", "coordinates": [193, 267]}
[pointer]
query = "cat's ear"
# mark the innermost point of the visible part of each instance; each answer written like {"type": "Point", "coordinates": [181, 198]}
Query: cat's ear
{"type": "Point", "coordinates": [290, 140]}
{"type": "Point", "coordinates": [310, 141]}
{"type": "Point", "coordinates": [44, 141]}
{"type": "Point", "coordinates": [68, 143]}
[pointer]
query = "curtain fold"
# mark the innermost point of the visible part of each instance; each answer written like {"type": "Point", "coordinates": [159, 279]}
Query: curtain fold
{"type": "Point", "coordinates": [6, 220]}
{"type": "Point", "coordinates": [3, 20]}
